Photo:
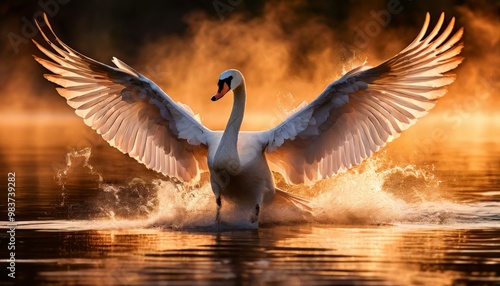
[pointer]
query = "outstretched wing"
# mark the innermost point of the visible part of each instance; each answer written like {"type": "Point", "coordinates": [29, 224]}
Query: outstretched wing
{"type": "Point", "coordinates": [359, 113]}
{"type": "Point", "coordinates": [129, 111]}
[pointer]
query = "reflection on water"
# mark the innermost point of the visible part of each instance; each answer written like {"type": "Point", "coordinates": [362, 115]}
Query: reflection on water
{"type": "Point", "coordinates": [100, 218]}
{"type": "Point", "coordinates": [304, 255]}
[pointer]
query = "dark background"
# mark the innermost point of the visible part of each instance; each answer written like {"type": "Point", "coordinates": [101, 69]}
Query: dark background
{"type": "Point", "coordinates": [126, 29]}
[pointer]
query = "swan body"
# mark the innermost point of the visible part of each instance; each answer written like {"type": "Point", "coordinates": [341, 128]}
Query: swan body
{"type": "Point", "coordinates": [351, 119]}
{"type": "Point", "coordinates": [238, 168]}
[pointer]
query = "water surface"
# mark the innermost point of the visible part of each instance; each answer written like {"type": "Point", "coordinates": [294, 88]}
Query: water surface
{"type": "Point", "coordinates": [96, 217]}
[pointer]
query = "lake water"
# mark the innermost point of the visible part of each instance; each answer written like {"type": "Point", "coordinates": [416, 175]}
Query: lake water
{"type": "Point", "coordinates": [399, 219]}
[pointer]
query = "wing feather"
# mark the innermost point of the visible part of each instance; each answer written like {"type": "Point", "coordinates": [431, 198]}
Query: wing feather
{"type": "Point", "coordinates": [358, 114]}
{"type": "Point", "coordinates": [128, 110]}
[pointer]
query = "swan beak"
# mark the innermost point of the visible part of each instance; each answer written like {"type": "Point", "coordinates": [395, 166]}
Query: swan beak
{"type": "Point", "coordinates": [221, 92]}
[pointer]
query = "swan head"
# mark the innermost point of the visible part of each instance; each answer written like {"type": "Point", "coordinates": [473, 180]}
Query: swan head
{"type": "Point", "coordinates": [228, 80]}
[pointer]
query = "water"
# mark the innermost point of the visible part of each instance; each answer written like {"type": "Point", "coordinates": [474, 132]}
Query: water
{"type": "Point", "coordinates": [95, 217]}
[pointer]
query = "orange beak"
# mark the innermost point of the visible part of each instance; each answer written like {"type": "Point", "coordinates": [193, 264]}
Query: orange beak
{"type": "Point", "coordinates": [221, 93]}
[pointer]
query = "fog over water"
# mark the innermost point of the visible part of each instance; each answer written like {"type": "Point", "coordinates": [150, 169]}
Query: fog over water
{"type": "Point", "coordinates": [288, 50]}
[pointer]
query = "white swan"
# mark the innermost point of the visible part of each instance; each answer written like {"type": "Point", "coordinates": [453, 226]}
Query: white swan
{"type": "Point", "coordinates": [350, 120]}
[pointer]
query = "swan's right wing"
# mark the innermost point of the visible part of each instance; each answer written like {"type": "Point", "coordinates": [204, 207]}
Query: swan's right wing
{"type": "Point", "coordinates": [358, 114]}
{"type": "Point", "coordinates": [129, 111]}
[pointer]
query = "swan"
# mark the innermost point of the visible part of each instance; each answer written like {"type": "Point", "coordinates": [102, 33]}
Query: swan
{"type": "Point", "coordinates": [351, 119]}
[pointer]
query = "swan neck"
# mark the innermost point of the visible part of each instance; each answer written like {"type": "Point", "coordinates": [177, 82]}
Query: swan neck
{"type": "Point", "coordinates": [236, 118]}
{"type": "Point", "coordinates": [226, 156]}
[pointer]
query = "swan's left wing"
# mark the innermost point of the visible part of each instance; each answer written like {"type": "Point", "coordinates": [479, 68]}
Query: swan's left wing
{"type": "Point", "coordinates": [358, 114]}
{"type": "Point", "coordinates": [129, 111]}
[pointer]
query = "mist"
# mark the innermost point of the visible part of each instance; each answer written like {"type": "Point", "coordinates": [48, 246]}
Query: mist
{"type": "Point", "coordinates": [288, 51]}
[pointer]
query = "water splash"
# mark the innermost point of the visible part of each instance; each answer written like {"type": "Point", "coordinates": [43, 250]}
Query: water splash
{"type": "Point", "coordinates": [182, 206]}
{"type": "Point", "coordinates": [377, 192]}
{"type": "Point", "coordinates": [73, 159]}
{"type": "Point", "coordinates": [135, 199]}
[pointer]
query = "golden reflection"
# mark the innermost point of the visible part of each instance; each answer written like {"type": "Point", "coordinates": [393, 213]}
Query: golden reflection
{"type": "Point", "coordinates": [398, 255]}
{"type": "Point", "coordinates": [395, 255]}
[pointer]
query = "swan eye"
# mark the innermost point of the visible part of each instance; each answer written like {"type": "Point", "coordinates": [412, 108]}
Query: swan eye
{"type": "Point", "coordinates": [221, 82]}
